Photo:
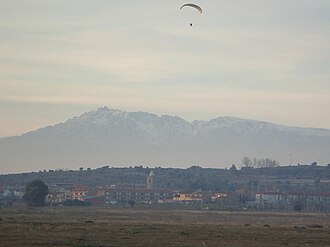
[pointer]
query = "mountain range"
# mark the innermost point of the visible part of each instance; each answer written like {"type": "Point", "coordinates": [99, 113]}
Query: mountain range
{"type": "Point", "coordinates": [118, 138]}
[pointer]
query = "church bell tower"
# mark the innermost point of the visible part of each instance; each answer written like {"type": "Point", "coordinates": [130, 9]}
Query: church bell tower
{"type": "Point", "coordinates": [150, 180]}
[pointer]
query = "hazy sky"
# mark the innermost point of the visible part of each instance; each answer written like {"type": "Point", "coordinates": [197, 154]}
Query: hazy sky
{"type": "Point", "coordinates": [257, 59]}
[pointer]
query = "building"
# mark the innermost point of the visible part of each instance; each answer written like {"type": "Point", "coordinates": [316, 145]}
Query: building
{"type": "Point", "coordinates": [311, 201]}
{"type": "Point", "coordinates": [218, 196]}
{"type": "Point", "coordinates": [9, 199]}
{"type": "Point", "coordinates": [79, 192]}
{"type": "Point", "coordinates": [195, 197]}
{"type": "Point", "coordinates": [123, 195]}
{"type": "Point", "coordinates": [57, 197]}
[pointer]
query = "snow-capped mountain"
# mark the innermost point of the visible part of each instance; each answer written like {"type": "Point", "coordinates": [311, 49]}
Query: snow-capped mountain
{"type": "Point", "coordinates": [118, 138]}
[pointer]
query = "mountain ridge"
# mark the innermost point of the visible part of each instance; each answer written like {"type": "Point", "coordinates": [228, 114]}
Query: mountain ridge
{"type": "Point", "coordinates": [124, 113]}
{"type": "Point", "coordinates": [110, 136]}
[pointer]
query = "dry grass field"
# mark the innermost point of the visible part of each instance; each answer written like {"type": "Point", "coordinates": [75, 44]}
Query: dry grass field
{"type": "Point", "coordinates": [154, 227]}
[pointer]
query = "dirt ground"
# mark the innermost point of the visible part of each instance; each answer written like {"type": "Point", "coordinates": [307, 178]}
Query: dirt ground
{"type": "Point", "coordinates": [154, 227]}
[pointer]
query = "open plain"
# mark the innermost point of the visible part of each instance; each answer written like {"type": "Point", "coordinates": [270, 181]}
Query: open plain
{"type": "Point", "coordinates": [88, 226]}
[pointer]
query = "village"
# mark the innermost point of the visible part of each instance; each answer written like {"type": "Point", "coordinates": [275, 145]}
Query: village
{"type": "Point", "coordinates": [255, 198]}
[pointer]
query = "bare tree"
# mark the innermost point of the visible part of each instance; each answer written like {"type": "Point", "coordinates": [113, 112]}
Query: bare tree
{"type": "Point", "coordinates": [255, 162]}
{"type": "Point", "coordinates": [267, 163]}
{"type": "Point", "coordinates": [246, 162]}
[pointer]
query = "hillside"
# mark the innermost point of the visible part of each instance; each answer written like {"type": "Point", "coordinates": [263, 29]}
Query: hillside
{"type": "Point", "coordinates": [285, 178]}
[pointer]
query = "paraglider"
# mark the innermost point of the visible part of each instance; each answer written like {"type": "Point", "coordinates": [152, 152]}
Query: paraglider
{"type": "Point", "coordinates": [191, 5]}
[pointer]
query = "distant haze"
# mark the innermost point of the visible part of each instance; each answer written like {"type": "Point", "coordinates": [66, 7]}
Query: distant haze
{"type": "Point", "coordinates": [118, 138]}
{"type": "Point", "coordinates": [256, 59]}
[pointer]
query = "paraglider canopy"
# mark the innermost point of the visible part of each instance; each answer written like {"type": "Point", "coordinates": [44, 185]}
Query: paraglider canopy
{"type": "Point", "coordinates": [192, 6]}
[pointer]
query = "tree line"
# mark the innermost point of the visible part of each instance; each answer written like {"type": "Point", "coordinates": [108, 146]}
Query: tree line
{"type": "Point", "coordinates": [259, 163]}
